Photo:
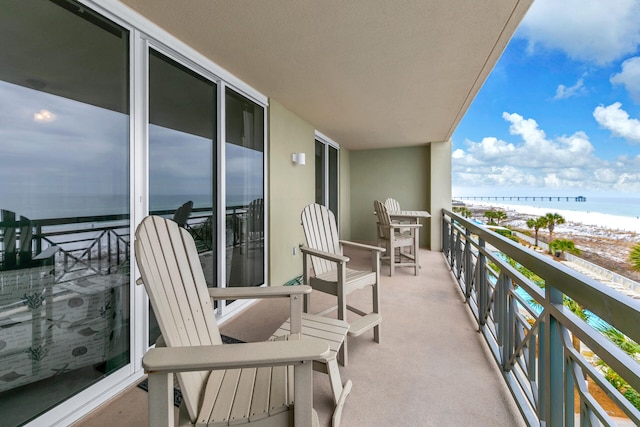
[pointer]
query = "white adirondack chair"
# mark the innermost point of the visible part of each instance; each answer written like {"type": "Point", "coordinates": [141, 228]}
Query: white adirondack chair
{"type": "Point", "coordinates": [397, 236]}
{"type": "Point", "coordinates": [332, 275]}
{"type": "Point", "coordinates": [262, 384]}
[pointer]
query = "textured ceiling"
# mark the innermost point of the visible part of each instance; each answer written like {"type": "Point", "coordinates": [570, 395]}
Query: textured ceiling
{"type": "Point", "coordinates": [366, 73]}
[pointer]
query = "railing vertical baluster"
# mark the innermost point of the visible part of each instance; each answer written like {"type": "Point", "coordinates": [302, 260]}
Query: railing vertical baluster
{"type": "Point", "coordinates": [543, 363]}
{"type": "Point", "coordinates": [569, 387]}
{"type": "Point", "coordinates": [503, 320]}
{"type": "Point", "coordinates": [481, 286]}
{"type": "Point", "coordinates": [468, 266]}
{"type": "Point", "coordinates": [109, 249]}
{"type": "Point", "coordinates": [38, 239]}
{"type": "Point", "coordinates": [451, 246]}
{"type": "Point", "coordinates": [443, 236]}
{"type": "Point", "coordinates": [117, 248]}
{"type": "Point", "coordinates": [458, 250]}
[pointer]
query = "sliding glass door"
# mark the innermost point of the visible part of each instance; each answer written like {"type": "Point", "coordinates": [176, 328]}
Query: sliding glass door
{"type": "Point", "coordinates": [244, 177]}
{"type": "Point", "coordinates": [64, 204]}
{"type": "Point", "coordinates": [183, 171]}
{"type": "Point", "coordinates": [326, 163]}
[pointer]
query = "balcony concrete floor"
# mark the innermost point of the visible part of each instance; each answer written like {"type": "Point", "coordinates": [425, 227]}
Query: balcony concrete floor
{"type": "Point", "coordinates": [431, 367]}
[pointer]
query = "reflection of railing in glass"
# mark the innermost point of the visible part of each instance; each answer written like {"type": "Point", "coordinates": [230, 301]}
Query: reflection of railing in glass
{"type": "Point", "coordinates": [63, 296]}
{"type": "Point", "coordinates": [99, 245]}
{"type": "Point", "coordinates": [245, 244]}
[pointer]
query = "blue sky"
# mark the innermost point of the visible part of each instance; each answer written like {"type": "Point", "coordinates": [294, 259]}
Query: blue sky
{"type": "Point", "coordinates": [560, 113]}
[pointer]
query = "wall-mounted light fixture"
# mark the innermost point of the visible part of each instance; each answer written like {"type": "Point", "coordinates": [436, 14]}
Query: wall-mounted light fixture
{"type": "Point", "coordinates": [298, 159]}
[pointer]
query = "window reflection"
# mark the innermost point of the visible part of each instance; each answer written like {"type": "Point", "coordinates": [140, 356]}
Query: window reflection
{"type": "Point", "coordinates": [64, 204]}
{"type": "Point", "coordinates": [244, 150]}
{"type": "Point", "coordinates": [182, 163]}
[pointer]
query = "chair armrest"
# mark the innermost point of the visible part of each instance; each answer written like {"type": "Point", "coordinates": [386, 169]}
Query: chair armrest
{"type": "Point", "coordinates": [362, 246]}
{"type": "Point", "coordinates": [255, 292]}
{"type": "Point", "coordinates": [325, 255]}
{"type": "Point", "coordinates": [248, 355]}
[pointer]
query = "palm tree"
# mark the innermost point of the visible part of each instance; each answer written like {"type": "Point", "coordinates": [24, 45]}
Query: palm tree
{"type": "Point", "coordinates": [463, 211]}
{"type": "Point", "coordinates": [490, 215]}
{"type": "Point", "coordinates": [537, 224]}
{"type": "Point", "coordinates": [634, 257]}
{"type": "Point", "coordinates": [632, 349]}
{"type": "Point", "coordinates": [552, 220]}
{"type": "Point", "coordinates": [499, 216]}
{"type": "Point", "coordinates": [564, 245]}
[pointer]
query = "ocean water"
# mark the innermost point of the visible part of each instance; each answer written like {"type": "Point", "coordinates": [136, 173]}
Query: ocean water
{"type": "Point", "coordinates": [619, 206]}
{"type": "Point", "coordinates": [66, 205]}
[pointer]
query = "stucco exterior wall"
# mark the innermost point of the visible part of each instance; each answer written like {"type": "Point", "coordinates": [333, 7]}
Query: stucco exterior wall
{"type": "Point", "coordinates": [345, 194]}
{"type": "Point", "coordinates": [290, 189]}
{"type": "Point", "coordinates": [401, 173]}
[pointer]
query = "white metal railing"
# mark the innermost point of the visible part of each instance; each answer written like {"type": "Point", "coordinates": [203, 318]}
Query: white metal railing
{"type": "Point", "coordinates": [551, 358]}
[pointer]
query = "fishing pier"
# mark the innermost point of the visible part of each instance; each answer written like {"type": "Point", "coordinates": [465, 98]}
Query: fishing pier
{"type": "Point", "coordinates": [526, 198]}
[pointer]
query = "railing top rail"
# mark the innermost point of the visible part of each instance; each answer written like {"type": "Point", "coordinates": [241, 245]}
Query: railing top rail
{"type": "Point", "coordinates": [66, 221]}
{"type": "Point", "coordinates": [98, 218]}
{"type": "Point", "coordinates": [613, 307]}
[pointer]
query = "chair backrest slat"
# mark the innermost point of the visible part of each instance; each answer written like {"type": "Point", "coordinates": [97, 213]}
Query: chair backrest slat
{"type": "Point", "coordinates": [392, 204]}
{"type": "Point", "coordinates": [383, 218]}
{"type": "Point", "coordinates": [174, 280]}
{"type": "Point", "coordinates": [321, 232]}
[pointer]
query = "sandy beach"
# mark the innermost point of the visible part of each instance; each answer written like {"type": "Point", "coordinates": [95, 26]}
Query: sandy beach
{"type": "Point", "coordinates": [603, 239]}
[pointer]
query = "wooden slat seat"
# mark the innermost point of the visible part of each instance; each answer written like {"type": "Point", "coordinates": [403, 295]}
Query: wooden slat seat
{"type": "Point", "coordinates": [240, 396]}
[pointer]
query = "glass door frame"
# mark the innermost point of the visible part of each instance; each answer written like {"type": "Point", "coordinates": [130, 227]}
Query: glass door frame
{"type": "Point", "coordinates": [326, 188]}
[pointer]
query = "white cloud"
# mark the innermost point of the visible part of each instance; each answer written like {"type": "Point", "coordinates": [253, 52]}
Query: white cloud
{"type": "Point", "coordinates": [606, 175]}
{"type": "Point", "coordinates": [564, 92]}
{"type": "Point", "coordinates": [538, 162]}
{"type": "Point", "coordinates": [458, 154]}
{"type": "Point", "coordinates": [587, 30]}
{"type": "Point", "coordinates": [538, 151]}
{"type": "Point", "coordinates": [629, 77]}
{"type": "Point", "coordinates": [492, 148]}
{"type": "Point", "coordinates": [615, 119]}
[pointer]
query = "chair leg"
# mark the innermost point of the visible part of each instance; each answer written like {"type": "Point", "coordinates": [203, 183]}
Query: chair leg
{"type": "Point", "coordinates": [342, 315]}
{"type": "Point", "coordinates": [375, 297]}
{"type": "Point", "coordinates": [416, 250]}
{"type": "Point", "coordinates": [340, 392]}
{"type": "Point", "coordinates": [342, 353]}
{"type": "Point", "coordinates": [306, 302]}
